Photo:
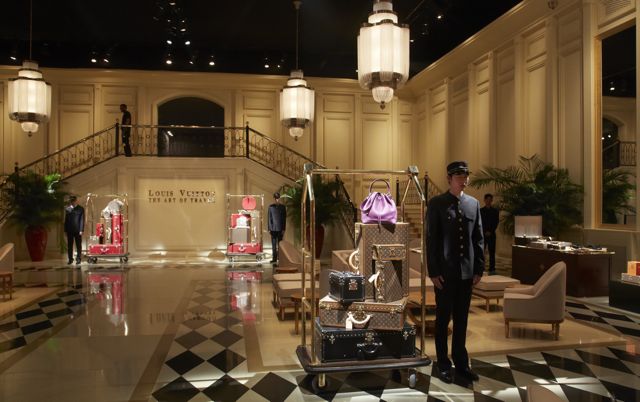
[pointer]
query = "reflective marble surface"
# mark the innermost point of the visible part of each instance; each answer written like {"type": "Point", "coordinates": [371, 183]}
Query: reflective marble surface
{"type": "Point", "coordinates": [197, 330]}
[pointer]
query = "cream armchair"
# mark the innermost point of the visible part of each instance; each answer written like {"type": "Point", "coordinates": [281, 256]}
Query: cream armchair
{"type": "Point", "coordinates": [541, 303]}
{"type": "Point", "coordinates": [6, 268]}
{"type": "Point", "coordinates": [289, 256]}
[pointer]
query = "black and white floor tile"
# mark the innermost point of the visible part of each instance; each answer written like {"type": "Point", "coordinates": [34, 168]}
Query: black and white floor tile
{"type": "Point", "coordinates": [208, 360]}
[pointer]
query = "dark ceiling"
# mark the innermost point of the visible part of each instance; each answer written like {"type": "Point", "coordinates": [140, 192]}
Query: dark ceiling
{"type": "Point", "coordinates": [240, 36]}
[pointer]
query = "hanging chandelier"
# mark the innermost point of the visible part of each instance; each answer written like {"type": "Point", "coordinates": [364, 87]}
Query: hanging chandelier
{"type": "Point", "coordinates": [296, 98]}
{"type": "Point", "coordinates": [383, 53]}
{"type": "Point", "coordinates": [29, 94]}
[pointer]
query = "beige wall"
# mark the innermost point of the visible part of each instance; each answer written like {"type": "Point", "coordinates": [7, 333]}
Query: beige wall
{"type": "Point", "coordinates": [525, 84]}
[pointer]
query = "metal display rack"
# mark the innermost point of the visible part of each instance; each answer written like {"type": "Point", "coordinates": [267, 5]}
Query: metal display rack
{"type": "Point", "coordinates": [306, 352]}
{"type": "Point", "coordinates": [92, 218]}
{"type": "Point", "coordinates": [253, 246]}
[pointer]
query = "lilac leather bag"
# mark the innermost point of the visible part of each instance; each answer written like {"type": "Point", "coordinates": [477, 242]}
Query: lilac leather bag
{"type": "Point", "coordinates": [378, 207]}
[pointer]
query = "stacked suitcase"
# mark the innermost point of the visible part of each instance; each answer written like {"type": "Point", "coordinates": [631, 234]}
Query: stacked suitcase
{"type": "Point", "coordinates": [363, 316]}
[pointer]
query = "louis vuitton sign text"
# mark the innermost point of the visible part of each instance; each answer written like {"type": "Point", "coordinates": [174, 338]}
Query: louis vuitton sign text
{"type": "Point", "coordinates": [181, 196]}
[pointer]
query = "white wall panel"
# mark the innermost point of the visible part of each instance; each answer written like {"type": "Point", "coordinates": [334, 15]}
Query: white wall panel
{"type": "Point", "coordinates": [75, 123]}
{"type": "Point", "coordinates": [376, 143]}
{"type": "Point", "coordinates": [535, 112]}
{"type": "Point", "coordinates": [338, 141]}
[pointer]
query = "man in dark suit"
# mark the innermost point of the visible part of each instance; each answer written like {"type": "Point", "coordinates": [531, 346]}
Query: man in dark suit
{"type": "Point", "coordinates": [455, 261]}
{"type": "Point", "coordinates": [126, 131]}
{"type": "Point", "coordinates": [73, 227]}
{"type": "Point", "coordinates": [277, 224]}
{"type": "Point", "coordinates": [490, 220]}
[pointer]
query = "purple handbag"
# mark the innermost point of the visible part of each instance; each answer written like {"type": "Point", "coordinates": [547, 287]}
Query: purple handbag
{"type": "Point", "coordinates": [378, 207]}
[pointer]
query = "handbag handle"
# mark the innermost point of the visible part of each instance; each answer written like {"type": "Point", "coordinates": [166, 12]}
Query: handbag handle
{"type": "Point", "coordinates": [382, 180]}
{"type": "Point", "coordinates": [352, 320]}
{"type": "Point", "coordinates": [352, 265]}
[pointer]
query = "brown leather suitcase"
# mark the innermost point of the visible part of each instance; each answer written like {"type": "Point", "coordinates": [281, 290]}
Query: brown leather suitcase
{"type": "Point", "coordinates": [367, 314]}
{"type": "Point", "coordinates": [369, 234]}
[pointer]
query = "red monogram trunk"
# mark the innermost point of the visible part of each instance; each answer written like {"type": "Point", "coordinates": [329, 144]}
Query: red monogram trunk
{"type": "Point", "coordinates": [117, 229]}
{"type": "Point", "coordinates": [244, 248]}
{"type": "Point", "coordinates": [106, 249]}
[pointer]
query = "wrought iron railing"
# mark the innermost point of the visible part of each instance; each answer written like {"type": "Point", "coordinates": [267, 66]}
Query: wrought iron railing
{"type": "Point", "coordinates": [348, 210]}
{"type": "Point", "coordinates": [238, 142]}
{"type": "Point", "coordinates": [627, 153]}
{"type": "Point", "coordinates": [413, 198]}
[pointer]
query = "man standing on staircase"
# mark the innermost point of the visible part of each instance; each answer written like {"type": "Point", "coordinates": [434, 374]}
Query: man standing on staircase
{"type": "Point", "coordinates": [126, 131]}
{"type": "Point", "coordinates": [277, 224]}
{"type": "Point", "coordinates": [455, 260]}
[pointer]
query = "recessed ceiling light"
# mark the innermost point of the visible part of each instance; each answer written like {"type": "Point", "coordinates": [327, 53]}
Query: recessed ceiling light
{"type": "Point", "coordinates": [191, 62]}
{"type": "Point", "coordinates": [612, 88]}
{"type": "Point", "coordinates": [212, 63]}
{"type": "Point", "coordinates": [93, 60]}
{"type": "Point", "coordinates": [169, 42]}
{"type": "Point", "coordinates": [440, 16]}
{"type": "Point", "coordinates": [411, 40]}
{"type": "Point", "coordinates": [266, 65]}
{"type": "Point", "coordinates": [183, 29]}
{"type": "Point", "coordinates": [187, 42]}
{"type": "Point", "coordinates": [14, 58]}
{"type": "Point", "coordinates": [105, 60]}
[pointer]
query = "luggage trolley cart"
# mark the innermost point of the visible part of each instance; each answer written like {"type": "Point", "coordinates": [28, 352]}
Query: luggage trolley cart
{"type": "Point", "coordinates": [308, 352]}
{"type": "Point", "coordinates": [244, 226]}
{"type": "Point", "coordinates": [107, 227]}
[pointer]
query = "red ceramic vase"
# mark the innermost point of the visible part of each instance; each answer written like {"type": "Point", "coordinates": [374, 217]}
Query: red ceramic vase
{"type": "Point", "coordinates": [319, 238]}
{"type": "Point", "coordinates": [36, 238]}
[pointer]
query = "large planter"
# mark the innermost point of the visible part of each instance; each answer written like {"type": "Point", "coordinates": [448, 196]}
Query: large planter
{"type": "Point", "coordinates": [36, 239]}
{"type": "Point", "coordinates": [319, 238]}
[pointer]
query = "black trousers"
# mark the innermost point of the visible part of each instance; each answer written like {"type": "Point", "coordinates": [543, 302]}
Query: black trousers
{"type": "Point", "coordinates": [71, 237]}
{"type": "Point", "coordinates": [126, 134]}
{"type": "Point", "coordinates": [490, 244]}
{"type": "Point", "coordinates": [452, 301]}
{"type": "Point", "coordinates": [276, 237]}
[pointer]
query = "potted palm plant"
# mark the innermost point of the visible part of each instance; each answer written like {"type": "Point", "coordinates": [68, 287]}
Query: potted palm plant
{"type": "Point", "coordinates": [32, 203]}
{"type": "Point", "coordinates": [617, 190]}
{"type": "Point", "coordinates": [327, 206]}
{"type": "Point", "coordinates": [535, 187]}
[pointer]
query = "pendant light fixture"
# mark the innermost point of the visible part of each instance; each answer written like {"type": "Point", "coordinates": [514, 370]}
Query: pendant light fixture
{"type": "Point", "coordinates": [29, 94]}
{"type": "Point", "coordinates": [383, 53]}
{"type": "Point", "coordinates": [296, 98]}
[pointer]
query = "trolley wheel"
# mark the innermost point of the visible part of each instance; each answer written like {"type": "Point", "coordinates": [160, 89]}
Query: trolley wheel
{"type": "Point", "coordinates": [258, 257]}
{"type": "Point", "coordinates": [232, 259]}
{"type": "Point", "coordinates": [413, 378]}
{"type": "Point", "coordinates": [319, 382]}
{"type": "Point", "coordinates": [93, 260]}
{"type": "Point", "coordinates": [124, 259]}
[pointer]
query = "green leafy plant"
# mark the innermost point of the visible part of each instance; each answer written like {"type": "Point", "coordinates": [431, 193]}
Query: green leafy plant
{"type": "Point", "coordinates": [535, 187]}
{"type": "Point", "coordinates": [31, 200]}
{"type": "Point", "coordinates": [618, 187]}
{"type": "Point", "coordinates": [327, 203]}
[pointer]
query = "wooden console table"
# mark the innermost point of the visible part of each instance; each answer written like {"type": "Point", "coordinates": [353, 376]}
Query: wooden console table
{"type": "Point", "coordinates": [587, 273]}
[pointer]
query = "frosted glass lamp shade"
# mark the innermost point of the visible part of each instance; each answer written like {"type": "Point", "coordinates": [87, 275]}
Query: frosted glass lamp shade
{"type": "Point", "coordinates": [296, 132]}
{"type": "Point", "coordinates": [29, 97]}
{"type": "Point", "coordinates": [296, 104]}
{"type": "Point", "coordinates": [383, 52]}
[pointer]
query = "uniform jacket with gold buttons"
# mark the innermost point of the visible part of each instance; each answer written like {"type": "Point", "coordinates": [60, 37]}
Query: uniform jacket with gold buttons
{"type": "Point", "coordinates": [455, 244]}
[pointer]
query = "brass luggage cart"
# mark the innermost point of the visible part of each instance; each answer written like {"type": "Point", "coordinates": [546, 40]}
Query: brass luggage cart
{"type": "Point", "coordinates": [306, 351]}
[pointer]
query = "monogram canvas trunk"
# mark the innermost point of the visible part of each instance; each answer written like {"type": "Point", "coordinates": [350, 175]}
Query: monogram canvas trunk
{"type": "Point", "coordinates": [369, 234]}
{"type": "Point", "coordinates": [383, 316]}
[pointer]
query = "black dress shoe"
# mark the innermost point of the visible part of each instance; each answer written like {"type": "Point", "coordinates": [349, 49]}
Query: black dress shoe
{"type": "Point", "coordinates": [445, 375]}
{"type": "Point", "coordinates": [467, 374]}
{"type": "Point", "coordinates": [69, 262]}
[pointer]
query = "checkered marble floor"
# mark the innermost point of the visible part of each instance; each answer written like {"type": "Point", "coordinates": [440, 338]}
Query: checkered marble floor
{"type": "Point", "coordinates": [207, 354]}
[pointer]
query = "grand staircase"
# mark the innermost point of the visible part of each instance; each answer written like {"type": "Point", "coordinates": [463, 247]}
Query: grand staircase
{"type": "Point", "coordinates": [244, 142]}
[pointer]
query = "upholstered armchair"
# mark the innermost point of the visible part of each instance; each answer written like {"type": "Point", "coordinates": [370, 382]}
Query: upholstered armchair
{"type": "Point", "coordinates": [289, 256]}
{"type": "Point", "coordinates": [6, 267]}
{"type": "Point", "coordinates": [542, 302]}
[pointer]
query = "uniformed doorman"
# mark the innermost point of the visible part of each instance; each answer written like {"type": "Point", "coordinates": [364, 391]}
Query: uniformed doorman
{"type": "Point", "coordinates": [455, 261]}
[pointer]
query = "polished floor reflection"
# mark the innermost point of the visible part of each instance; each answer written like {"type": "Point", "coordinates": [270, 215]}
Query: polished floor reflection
{"type": "Point", "coordinates": [187, 330]}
